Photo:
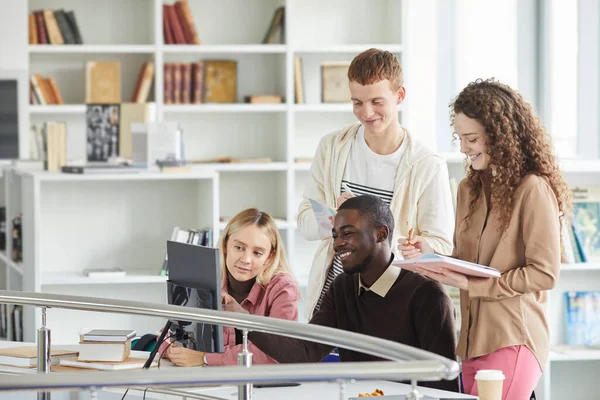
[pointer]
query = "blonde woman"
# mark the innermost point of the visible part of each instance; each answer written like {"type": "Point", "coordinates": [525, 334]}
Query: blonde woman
{"type": "Point", "coordinates": [256, 279]}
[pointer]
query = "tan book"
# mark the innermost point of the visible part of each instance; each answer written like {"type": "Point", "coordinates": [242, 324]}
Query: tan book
{"type": "Point", "coordinates": [54, 34]}
{"type": "Point", "coordinates": [26, 356]}
{"type": "Point", "coordinates": [130, 113]}
{"type": "Point", "coordinates": [55, 92]}
{"type": "Point", "coordinates": [33, 34]}
{"type": "Point", "coordinates": [263, 99]}
{"type": "Point", "coordinates": [298, 81]}
{"type": "Point", "coordinates": [144, 82]}
{"type": "Point", "coordinates": [220, 81]}
{"type": "Point", "coordinates": [103, 82]}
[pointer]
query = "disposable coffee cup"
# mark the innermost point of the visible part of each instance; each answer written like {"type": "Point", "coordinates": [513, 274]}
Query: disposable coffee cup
{"type": "Point", "coordinates": [489, 384]}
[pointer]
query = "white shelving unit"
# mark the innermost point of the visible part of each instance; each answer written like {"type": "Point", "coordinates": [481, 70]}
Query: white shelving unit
{"type": "Point", "coordinates": [76, 222]}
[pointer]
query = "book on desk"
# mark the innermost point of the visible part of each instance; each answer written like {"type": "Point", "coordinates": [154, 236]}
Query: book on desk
{"type": "Point", "coordinates": [26, 356]}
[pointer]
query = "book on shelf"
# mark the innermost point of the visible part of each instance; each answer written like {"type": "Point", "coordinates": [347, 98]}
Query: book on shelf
{"type": "Point", "coordinates": [44, 91]}
{"type": "Point", "coordinates": [178, 24]}
{"type": "Point", "coordinates": [102, 131]}
{"type": "Point", "coordinates": [434, 261]}
{"type": "Point", "coordinates": [103, 82]}
{"type": "Point", "coordinates": [263, 99]}
{"type": "Point", "coordinates": [107, 335]}
{"type": "Point", "coordinates": [143, 83]}
{"type": "Point", "coordinates": [131, 363]}
{"type": "Point", "coordinates": [298, 81]}
{"type": "Point", "coordinates": [584, 236]}
{"type": "Point", "coordinates": [276, 32]}
{"type": "Point", "coordinates": [54, 145]}
{"type": "Point", "coordinates": [57, 27]}
{"type": "Point", "coordinates": [26, 356]}
{"type": "Point", "coordinates": [582, 318]}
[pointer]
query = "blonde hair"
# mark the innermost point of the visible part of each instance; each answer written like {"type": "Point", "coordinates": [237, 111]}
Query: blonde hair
{"type": "Point", "coordinates": [277, 262]}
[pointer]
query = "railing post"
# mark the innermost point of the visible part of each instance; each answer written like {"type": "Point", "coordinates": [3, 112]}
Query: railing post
{"type": "Point", "coordinates": [245, 360]}
{"type": "Point", "coordinates": [43, 353]}
{"type": "Point", "coordinates": [414, 393]}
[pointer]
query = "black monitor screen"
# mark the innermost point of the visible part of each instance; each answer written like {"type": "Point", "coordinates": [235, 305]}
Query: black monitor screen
{"type": "Point", "coordinates": [9, 119]}
{"type": "Point", "coordinates": [194, 281]}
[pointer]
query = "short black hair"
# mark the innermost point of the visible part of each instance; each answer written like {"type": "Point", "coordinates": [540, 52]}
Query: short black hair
{"type": "Point", "coordinates": [373, 209]}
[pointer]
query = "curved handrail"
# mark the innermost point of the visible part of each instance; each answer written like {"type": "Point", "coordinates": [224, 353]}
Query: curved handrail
{"type": "Point", "coordinates": [447, 369]}
{"type": "Point", "coordinates": [335, 337]}
{"type": "Point", "coordinates": [227, 375]}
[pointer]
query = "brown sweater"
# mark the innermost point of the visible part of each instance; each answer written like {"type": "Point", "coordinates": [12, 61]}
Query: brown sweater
{"type": "Point", "coordinates": [415, 312]}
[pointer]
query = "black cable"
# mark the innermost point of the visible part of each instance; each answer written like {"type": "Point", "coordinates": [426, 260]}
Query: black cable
{"type": "Point", "coordinates": [165, 349]}
{"type": "Point", "coordinates": [124, 394]}
{"type": "Point", "coordinates": [144, 398]}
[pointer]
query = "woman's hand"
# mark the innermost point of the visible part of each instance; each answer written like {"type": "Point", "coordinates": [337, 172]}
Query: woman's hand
{"type": "Point", "coordinates": [229, 304]}
{"type": "Point", "coordinates": [413, 249]}
{"type": "Point", "coordinates": [445, 276]}
{"type": "Point", "coordinates": [183, 357]}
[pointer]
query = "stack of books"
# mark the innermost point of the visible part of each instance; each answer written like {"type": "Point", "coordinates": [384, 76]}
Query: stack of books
{"type": "Point", "coordinates": [105, 345]}
{"type": "Point", "coordinates": [105, 350]}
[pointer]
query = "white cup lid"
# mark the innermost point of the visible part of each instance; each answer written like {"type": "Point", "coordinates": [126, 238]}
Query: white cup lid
{"type": "Point", "coordinates": [489, 375]}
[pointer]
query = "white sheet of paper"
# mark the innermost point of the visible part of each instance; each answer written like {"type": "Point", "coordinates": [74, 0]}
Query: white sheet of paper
{"type": "Point", "coordinates": [323, 212]}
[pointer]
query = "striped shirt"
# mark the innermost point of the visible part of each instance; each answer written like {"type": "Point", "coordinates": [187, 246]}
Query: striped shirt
{"type": "Point", "coordinates": [366, 173]}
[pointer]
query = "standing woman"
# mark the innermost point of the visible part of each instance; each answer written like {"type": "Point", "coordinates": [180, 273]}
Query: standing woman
{"type": "Point", "coordinates": [508, 217]}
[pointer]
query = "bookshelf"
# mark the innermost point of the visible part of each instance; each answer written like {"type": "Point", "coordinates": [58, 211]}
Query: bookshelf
{"type": "Point", "coordinates": [288, 133]}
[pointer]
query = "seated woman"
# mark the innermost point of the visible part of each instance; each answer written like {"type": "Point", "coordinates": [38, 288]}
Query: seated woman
{"type": "Point", "coordinates": [256, 279]}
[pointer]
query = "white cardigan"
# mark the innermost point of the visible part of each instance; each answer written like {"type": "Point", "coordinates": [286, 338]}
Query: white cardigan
{"type": "Point", "coordinates": [422, 199]}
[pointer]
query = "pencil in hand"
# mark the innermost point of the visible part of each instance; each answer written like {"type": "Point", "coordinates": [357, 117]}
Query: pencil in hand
{"type": "Point", "coordinates": [410, 236]}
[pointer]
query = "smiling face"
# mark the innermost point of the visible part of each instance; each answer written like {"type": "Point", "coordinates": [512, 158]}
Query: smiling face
{"type": "Point", "coordinates": [248, 252]}
{"type": "Point", "coordinates": [375, 105]}
{"type": "Point", "coordinates": [354, 240]}
{"type": "Point", "coordinates": [471, 134]}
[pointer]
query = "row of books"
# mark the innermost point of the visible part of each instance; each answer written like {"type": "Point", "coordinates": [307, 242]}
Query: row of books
{"type": "Point", "coordinates": [178, 24]}
{"type": "Point", "coordinates": [103, 82]}
{"type": "Point", "coordinates": [53, 27]}
{"type": "Point", "coordinates": [210, 81]}
{"type": "Point", "coordinates": [583, 318]}
{"type": "Point", "coordinates": [44, 90]}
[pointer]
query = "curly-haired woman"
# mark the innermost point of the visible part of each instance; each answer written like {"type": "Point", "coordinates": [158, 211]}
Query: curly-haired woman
{"type": "Point", "coordinates": [508, 217]}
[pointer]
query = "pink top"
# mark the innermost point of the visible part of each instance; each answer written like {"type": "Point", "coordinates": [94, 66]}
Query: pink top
{"type": "Point", "coordinates": [278, 300]}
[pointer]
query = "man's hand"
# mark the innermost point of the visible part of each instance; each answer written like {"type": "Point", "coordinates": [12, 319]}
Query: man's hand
{"type": "Point", "coordinates": [183, 357]}
{"type": "Point", "coordinates": [229, 304]}
{"type": "Point", "coordinates": [413, 249]}
{"type": "Point", "coordinates": [343, 197]}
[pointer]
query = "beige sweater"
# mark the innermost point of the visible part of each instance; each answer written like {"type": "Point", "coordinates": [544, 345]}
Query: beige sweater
{"type": "Point", "coordinates": [422, 199]}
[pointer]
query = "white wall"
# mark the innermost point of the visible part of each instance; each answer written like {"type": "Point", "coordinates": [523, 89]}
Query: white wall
{"type": "Point", "coordinates": [13, 35]}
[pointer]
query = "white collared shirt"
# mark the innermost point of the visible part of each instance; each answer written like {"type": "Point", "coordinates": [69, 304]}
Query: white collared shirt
{"type": "Point", "coordinates": [382, 285]}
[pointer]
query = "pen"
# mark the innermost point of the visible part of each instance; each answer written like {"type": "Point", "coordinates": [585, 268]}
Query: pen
{"type": "Point", "coordinates": [410, 235]}
{"type": "Point", "coordinates": [346, 188]}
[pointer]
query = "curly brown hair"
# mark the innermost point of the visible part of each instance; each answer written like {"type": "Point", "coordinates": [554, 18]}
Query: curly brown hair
{"type": "Point", "coordinates": [516, 142]}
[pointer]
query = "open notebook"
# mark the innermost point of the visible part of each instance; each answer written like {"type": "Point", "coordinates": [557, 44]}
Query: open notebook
{"type": "Point", "coordinates": [128, 364]}
{"type": "Point", "coordinates": [432, 261]}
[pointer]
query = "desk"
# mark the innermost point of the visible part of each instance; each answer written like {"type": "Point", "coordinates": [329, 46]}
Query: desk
{"type": "Point", "coordinates": [313, 390]}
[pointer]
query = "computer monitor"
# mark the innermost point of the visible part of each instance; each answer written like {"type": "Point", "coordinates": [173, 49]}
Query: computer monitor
{"type": "Point", "coordinates": [195, 281]}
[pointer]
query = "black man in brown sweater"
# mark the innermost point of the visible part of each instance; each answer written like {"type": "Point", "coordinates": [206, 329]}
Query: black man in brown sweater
{"type": "Point", "coordinates": [372, 296]}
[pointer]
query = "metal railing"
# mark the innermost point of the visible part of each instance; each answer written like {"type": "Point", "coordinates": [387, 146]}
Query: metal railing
{"type": "Point", "coordinates": [429, 366]}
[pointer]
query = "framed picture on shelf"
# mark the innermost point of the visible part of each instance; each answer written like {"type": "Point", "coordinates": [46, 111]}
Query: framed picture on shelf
{"type": "Point", "coordinates": [334, 82]}
{"type": "Point", "coordinates": [102, 126]}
